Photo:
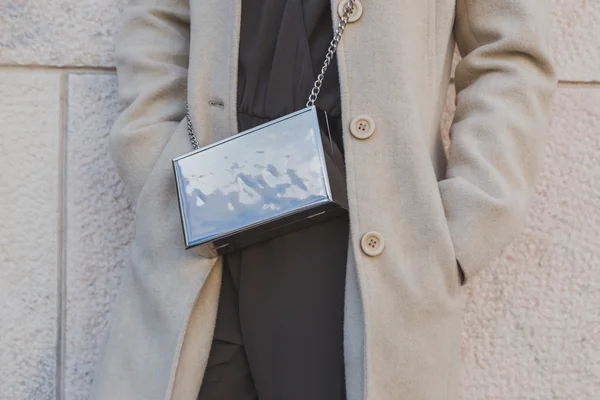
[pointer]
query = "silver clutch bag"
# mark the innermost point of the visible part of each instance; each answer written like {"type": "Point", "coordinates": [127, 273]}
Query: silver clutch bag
{"type": "Point", "coordinates": [277, 177]}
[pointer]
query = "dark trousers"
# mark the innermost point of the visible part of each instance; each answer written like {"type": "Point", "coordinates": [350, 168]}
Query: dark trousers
{"type": "Point", "coordinates": [279, 330]}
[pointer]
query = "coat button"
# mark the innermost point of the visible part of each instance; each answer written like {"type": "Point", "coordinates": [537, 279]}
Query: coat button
{"type": "Point", "coordinates": [354, 14]}
{"type": "Point", "coordinates": [362, 127]}
{"type": "Point", "coordinates": [372, 243]}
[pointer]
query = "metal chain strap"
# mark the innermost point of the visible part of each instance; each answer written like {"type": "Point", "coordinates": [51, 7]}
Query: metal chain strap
{"type": "Point", "coordinates": [330, 51]}
{"type": "Point", "coordinates": [312, 98]}
{"type": "Point", "coordinates": [190, 128]}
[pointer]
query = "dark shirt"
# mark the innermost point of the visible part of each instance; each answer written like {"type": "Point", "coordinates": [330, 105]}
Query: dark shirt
{"type": "Point", "coordinates": [283, 44]}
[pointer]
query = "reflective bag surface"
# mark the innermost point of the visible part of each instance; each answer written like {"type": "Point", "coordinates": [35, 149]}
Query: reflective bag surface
{"type": "Point", "coordinates": [275, 178]}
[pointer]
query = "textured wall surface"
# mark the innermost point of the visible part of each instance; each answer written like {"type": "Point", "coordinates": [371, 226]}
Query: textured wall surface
{"type": "Point", "coordinates": [532, 321]}
{"type": "Point", "coordinates": [98, 225]}
{"type": "Point", "coordinates": [58, 32]}
{"type": "Point", "coordinates": [30, 216]}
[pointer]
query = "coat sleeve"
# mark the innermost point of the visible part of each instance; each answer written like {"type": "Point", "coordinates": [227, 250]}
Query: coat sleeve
{"type": "Point", "coordinates": [152, 55]}
{"type": "Point", "coordinates": [504, 83]}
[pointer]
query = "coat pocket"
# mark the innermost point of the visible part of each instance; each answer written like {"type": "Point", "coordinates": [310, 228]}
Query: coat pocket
{"type": "Point", "coordinates": [461, 274]}
{"type": "Point", "coordinates": [438, 214]}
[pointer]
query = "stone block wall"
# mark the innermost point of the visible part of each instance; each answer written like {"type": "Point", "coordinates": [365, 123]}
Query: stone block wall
{"type": "Point", "coordinates": [532, 324]}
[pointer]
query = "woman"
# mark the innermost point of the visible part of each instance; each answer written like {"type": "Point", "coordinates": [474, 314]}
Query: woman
{"type": "Point", "coordinates": [417, 221]}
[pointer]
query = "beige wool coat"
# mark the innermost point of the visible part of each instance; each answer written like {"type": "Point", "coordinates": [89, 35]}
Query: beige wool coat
{"type": "Point", "coordinates": [403, 306]}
